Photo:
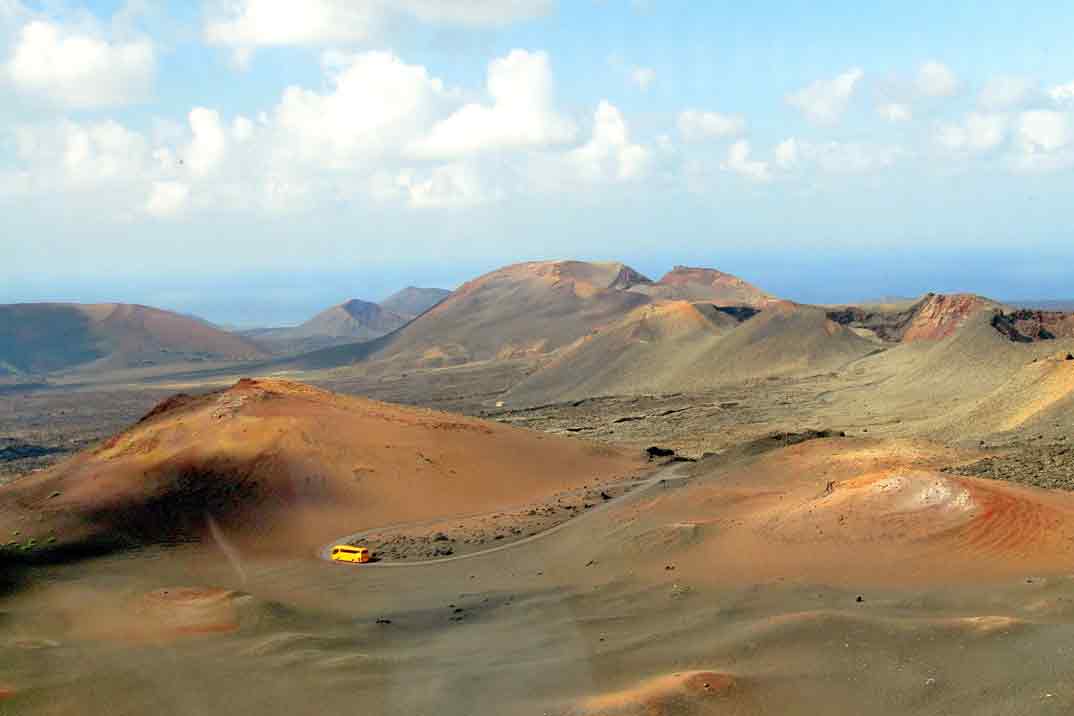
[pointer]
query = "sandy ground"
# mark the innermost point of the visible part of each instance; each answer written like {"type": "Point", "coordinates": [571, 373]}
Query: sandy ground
{"type": "Point", "coordinates": [643, 609]}
{"type": "Point", "coordinates": [877, 573]}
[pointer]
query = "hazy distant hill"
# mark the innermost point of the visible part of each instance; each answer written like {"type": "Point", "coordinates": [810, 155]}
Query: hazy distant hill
{"type": "Point", "coordinates": [413, 301]}
{"type": "Point", "coordinates": [1044, 305]}
{"type": "Point", "coordinates": [350, 322]}
{"type": "Point", "coordinates": [44, 337]}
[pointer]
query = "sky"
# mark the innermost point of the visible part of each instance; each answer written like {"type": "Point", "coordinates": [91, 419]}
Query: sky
{"type": "Point", "coordinates": [254, 161]}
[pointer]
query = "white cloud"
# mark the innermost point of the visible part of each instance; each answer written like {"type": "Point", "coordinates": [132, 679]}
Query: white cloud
{"type": "Point", "coordinates": [73, 154]}
{"type": "Point", "coordinates": [935, 79]}
{"type": "Point", "coordinates": [895, 112]}
{"type": "Point", "coordinates": [79, 70]}
{"type": "Point", "coordinates": [824, 101]}
{"type": "Point", "coordinates": [522, 114]}
{"type": "Point", "coordinates": [209, 144]}
{"type": "Point", "coordinates": [1045, 141]}
{"type": "Point", "coordinates": [610, 154]}
{"type": "Point", "coordinates": [1043, 131]}
{"type": "Point", "coordinates": [451, 185]}
{"type": "Point", "coordinates": [787, 153]}
{"type": "Point", "coordinates": [257, 23]}
{"type": "Point", "coordinates": [375, 105]}
{"type": "Point", "coordinates": [979, 132]}
{"type": "Point", "coordinates": [248, 24]}
{"type": "Point", "coordinates": [643, 77]}
{"type": "Point", "coordinates": [1006, 92]}
{"type": "Point", "coordinates": [1062, 94]}
{"type": "Point", "coordinates": [167, 198]}
{"type": "Point", "coordinates": [738, 161]}
{"type": "Point", "coordinates": [696, 125]}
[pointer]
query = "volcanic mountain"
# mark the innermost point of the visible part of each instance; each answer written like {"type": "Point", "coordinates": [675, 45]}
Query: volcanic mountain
{"type": "Point", "coordinates": [413, 301]}
{"type": "Point", "coordinates": [702, 284]}
{"type": "Point", "coordinates": [675, 346]}
{"type": "Point", "coordinates": [533, 309]}
{"type": "Point", "coordinates": [44, 337]}
{"type": "Point", "coordinates": [287, 467]}
{"type": "Point", "coordinates": [350, 322]}
{"type": "Point", "coordinates": [522, 310]}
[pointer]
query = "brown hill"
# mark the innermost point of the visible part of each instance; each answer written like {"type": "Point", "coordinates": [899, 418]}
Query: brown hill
{"type": "Point", "coordinates": [522, 310]}
{"type": "Point", "coordinates": [847, 511]}
{"type": "Point", "coordinates": [44, 337]}
{"type": "Point", "coordinates": [413, 301]}
{"type": "Point", "coordinates": [971, 384]}
{"type": "Point", "coordinates": [534, 309]}
{"type": "Point", "coordinates": [701, 284]}
{"type": "Point", "coordinates": [681, 346]}
{"type": "Point", "coordinates": [286, 467]}
{"type": "Point", "coordinates": [352, 322]}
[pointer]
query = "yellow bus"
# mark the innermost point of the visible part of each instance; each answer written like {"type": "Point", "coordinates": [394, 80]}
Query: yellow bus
{"type": "Point", "coordinates": [349, 553]}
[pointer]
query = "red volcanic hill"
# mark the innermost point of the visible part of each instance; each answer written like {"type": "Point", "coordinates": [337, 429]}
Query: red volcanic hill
{"type": "Point", "coordinates": [702, 284]}
{"type": "Point", "coordinates": [285, 467]}
{"type": "Point", "coordinates": [533, 309]}
{"type": "Point", "coordinates": [521, 310]}
{"type": "Point", "coordinates": [44, 337]}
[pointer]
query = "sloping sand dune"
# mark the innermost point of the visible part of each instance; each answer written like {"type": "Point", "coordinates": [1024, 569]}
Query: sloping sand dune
{"type": "Point", "coordinates": [855, 511]}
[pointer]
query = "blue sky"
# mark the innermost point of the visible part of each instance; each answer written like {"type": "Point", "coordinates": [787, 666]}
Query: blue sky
{"type": "Point", "coordinates": [256, 160]}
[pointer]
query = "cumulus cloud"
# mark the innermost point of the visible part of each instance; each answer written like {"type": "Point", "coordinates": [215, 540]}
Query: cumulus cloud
{"type": "Point", "coordinates": [522, 114]}
{"type": "Point", "coordinates": [167, 199]}
{"type": "Point", "coordinates": [74, 154]}
{"type": "Point", "coordinates": [1044, 130]}
{"type": "Point", "coordinates": [738, 161]}
{"type": "Point", "coordinates": [1007, 92]}
{"type": "Point", "coordinates": [978, 132]}
{"type": "Point", "coordinates": [78, 70]}
{"type": "Point", "coordinates": [696, 125]}
{"type": "Point", "coordinates": [209, 144]}
{"type": "Point", "coordinates": [610, 154]}
{"type": "Point", "coordinates": [1045, 141]}
{"type": "Point", "coordinates": [824, 101]}
{"type": "Point", "coordinates": [375, 104]}
{"type": "Point", "coordinates": [249, 24]}
{"type": "Point", "coordinates": [448, 186]}
{"type": "Point", "coordinates": [935, 79]}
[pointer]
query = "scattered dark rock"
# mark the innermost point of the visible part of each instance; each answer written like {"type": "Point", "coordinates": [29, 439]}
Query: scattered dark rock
{"type": "Point", "coordinates": [604, 495]}
{"type": "Point", "coordinates": [384, 621]}
{"type": "Point", "coordinates": [655, 452]}
{"type": "Point", "coordinates": [1070, 356]}
{"type": "Point", "coordinates": [859, 599]}
{"type": "Point", "coordinates": [22, 451]}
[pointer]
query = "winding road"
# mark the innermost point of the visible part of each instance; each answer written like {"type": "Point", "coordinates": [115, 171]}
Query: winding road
{"type": "Point", "coordinates": [667, 474]}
